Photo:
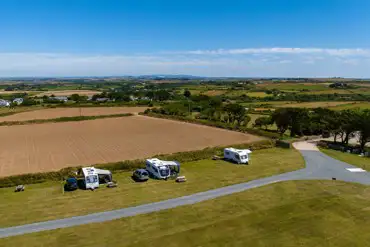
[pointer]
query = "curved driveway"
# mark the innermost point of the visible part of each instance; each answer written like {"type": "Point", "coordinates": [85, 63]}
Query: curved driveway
{"type": "Point", "coordinates": [318, 166]}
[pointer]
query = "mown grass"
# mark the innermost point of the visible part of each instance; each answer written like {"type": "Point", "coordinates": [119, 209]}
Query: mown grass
{"type": "Point", "coordinates": [288, 214]}
{"type": "Point", "coordinates": [353, 159]}
{"type": "Point", "coordinates": [46, 201]}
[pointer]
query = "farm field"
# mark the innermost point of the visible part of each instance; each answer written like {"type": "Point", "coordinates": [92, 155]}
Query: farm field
{"type": "Point", "coordinates": [68, 92]}
{"type": "Point", "coordinates": [201, 175]}
{"type": "Point", "coordinates": [360, 105]}
{"type": "Point", "coordinates": [289, 214]}
{"type": "Point", "coordinates": [70, 112]}
{"type": "Point", "coordinates": [326, 104]}
{"type": "Point", "coordinates": [294, 86]}
{"type": "Point", "coordinates": [48, 147]}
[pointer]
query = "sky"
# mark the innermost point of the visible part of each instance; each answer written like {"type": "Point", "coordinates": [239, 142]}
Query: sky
{"type": "Point", "coordinates": [236, 38]}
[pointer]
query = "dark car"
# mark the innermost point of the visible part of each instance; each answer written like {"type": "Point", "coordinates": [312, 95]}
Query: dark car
{"type": "Point", "coordinates": [71, 184]}
{"type": "Point", "coordinates": [140, 175]}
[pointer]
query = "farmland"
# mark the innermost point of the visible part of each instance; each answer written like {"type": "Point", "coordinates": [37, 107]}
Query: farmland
{"type": "Point", "coordinates": [69, 112]}
{"type": "Point", "coordinates": [48, 147]}
{"type": "Point", "coordinates": [68, 92]}
{"type": "Point", "coordinates": [296, 213]}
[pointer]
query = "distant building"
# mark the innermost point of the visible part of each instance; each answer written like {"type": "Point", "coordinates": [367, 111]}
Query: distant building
{"type": "Point", "coordinates": [18, 101]}
{"type": "Point", "coordinates": [60, 98]}
{"type": "Point", "coordinates": [102, 99]}
{"type": "Point", "coordinates": [4, 103]}
{"type": "Point", "coordinates": [133, 98]}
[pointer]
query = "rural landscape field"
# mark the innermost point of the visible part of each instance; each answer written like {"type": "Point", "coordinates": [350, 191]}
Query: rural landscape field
{"type": "Point", "coordinates": [49, 147]}
{"type": "Point", "coordinates": [70, 112]}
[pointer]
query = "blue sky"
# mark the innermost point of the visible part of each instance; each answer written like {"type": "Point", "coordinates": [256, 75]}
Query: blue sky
{"type": "Point", "coordinates": [210, 38]}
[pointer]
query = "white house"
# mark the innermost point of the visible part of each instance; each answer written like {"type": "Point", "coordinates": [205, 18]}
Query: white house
{"type": "Point", "coordinates": [60, 98]}
{"type": "Point", "coordinates": [4, 103]}
{"type": "Point", "coordinates": [18, 101]}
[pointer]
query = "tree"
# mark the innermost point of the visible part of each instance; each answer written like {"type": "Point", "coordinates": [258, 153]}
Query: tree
{"type": "Point", "coordinates": [281, 118]}
{"type": "Point", "coordinates": [75, 97]}
{"type": "Point", "coordinates": [347, 122]}
{"type": "Point", "coordinates": [187, 94]}
{"type": "Point", "coordinates": [263, 122]}
{"type": "Point", "coordinates": [293, 119]}
{"type": "Point", "coordinates": [236, 112]}
{"type": "Point", "coordinates": [363, 126]}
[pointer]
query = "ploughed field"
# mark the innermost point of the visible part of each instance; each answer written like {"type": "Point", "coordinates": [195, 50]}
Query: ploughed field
{"type": "Point", "coordinates": [52, 146]}
{"type": "Point", "coordinates": [70, 112]}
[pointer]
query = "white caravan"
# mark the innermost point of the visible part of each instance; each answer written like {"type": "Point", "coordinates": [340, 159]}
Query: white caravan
{"type": "Point", "coordinates": [240, 156]}
{"type": "Point", "coordinates": [161, 169]}
{"type": "Point", "coordinates": [92, 176]}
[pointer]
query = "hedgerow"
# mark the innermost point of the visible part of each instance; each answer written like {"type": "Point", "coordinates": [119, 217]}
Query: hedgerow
{"type": "Point", "coordinates": [63, 119]}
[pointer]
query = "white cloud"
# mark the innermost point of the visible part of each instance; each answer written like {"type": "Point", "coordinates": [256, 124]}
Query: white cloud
{"type": "Point", "coordinates": [279, 50]}
{"type": "Point", "coordinates": [267, 62]}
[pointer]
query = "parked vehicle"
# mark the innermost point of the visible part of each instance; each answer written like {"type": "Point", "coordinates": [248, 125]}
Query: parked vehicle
{"type": "Point", "coordinates": [162, 169]}
{"type": "Point", "coordinates": [140, 175]}
{"type": "Point", "coordinates": [93, 177]}
{"type": "Point", "coordinates": [71, 184]}
{"type": "Point", "coordinates": [239, 156]}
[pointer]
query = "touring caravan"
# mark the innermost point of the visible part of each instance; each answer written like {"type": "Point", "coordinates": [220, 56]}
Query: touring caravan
{"type": "Point", "coordinates": [161, 169]}
{"type": "Point", "coordinates": [93, 177]}
{"type": "Point", "coordinates": [239, 156]}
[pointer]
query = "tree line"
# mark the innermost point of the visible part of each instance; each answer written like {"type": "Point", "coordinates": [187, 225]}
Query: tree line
{"type": "Point", "coordinates": [342, 125]}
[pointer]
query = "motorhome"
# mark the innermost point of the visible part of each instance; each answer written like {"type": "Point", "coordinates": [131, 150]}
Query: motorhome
{"type": "Point", "coordinates": [162, 169]}
{"type": "Point", "coordinates": [239, 156]}
{"type": "Point", "coordinates": [93, 177]}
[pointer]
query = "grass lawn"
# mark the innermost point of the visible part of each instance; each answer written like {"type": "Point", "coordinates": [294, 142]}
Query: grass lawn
{"type": "Point", "coordinates": [253, 119]}
{"type": "Point", "coordinates": [353, 159]}
{"type": "Point", "coordinates": [289, 214]}
{"type": "Point", "coordinates": [45, 201]}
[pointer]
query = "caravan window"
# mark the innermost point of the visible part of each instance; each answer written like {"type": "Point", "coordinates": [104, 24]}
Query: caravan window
{"type": "Point", "coordinates": [237, 156]}
{"type": "Point", "coordinates": [244, 157]}
{"type": "Point", "coordinates": [91, 179]}
{"type": "Point", "coordinates": [227, 153]}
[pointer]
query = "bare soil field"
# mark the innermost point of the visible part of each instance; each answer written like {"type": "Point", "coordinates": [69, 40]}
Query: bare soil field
{"type": "Point", "coordinates": [48, 147]}
{"type": "Point", "coordinates": [69, 92]}
{"type": "Point", "coordinates": [70, 112]}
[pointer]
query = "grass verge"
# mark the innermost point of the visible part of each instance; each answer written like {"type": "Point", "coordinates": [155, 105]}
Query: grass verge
{"type": "Point", "coordinates": [352, 159]}
{"type": "Point", "coordinates": [289, 214]}
{"type": "Point", "coordinates": [46, 201]}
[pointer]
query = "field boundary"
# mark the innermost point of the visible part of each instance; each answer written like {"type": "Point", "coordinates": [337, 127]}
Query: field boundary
{"type": "Point", "coordinates": [63, 119]}
{"type": "Point", "coordinates": [220, 125]}
{"type": "Point", "coordinates": [128, 165]}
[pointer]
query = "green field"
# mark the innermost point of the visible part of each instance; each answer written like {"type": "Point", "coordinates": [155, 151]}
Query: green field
{"type": "Point", "coordinates": [289, 214]}
{"type": "Point", "coordinates": [360, 105]}
{"type": "Point", "coordinates": [353, 159]}
{"type": "Point", "coordinates": [45, 201]}
{"type": "Point", "coordinates": [294, 86]}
